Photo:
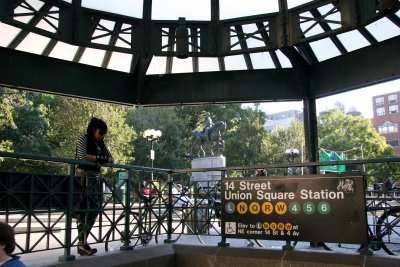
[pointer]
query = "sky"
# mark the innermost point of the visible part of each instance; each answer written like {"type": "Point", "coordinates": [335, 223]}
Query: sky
{"type": "Point", "coordinates": [360, 99]}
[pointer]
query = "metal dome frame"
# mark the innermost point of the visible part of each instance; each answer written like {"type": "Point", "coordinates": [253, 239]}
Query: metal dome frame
{"type": "Point", "coordinates": [144, 38]}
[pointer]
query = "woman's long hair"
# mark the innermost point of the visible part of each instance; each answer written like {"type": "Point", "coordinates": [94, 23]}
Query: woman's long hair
{"type": "Point", "coordinates": [7, 237]}
{"type": "Point", "coordinates": [96, 123]}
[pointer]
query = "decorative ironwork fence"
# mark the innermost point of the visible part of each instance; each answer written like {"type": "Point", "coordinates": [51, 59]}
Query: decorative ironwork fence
{"type": "Point", "coordinates": [41, 207]}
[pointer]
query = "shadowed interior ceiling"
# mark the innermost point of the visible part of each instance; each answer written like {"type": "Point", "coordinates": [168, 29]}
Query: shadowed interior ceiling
{"type": "Point", "coordinates": [144, 53]}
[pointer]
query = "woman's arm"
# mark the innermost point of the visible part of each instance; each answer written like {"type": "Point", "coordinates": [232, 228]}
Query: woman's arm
{"type": "Point", "coordinates": [81, 149]}
{"type": "Point", "coordinates": [108, 154]}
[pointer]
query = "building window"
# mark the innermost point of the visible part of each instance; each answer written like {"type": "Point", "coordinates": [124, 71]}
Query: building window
{"type": "Point", "coordinates": [379, 101]}
{"type": "Point", "coordinates": [380, 111]}
{"type": "Point", "coordinates": [393, 143]}
{"type": "Point", "coordinates": [388, 128]}
{"type": "Point", "coordinates": [393, 108]}
{"type": "Point", "coordinates": [392, 98]}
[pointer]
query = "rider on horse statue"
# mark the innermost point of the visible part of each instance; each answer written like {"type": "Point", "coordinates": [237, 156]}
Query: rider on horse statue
{"type": "Point", "coordinates": [208, 123]}
{"type": "Point", "coordinates": [211, 135]}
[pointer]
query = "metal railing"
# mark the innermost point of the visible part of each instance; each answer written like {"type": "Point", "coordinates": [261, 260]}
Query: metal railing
{"type": "Point", "coordinates": [41, 207]}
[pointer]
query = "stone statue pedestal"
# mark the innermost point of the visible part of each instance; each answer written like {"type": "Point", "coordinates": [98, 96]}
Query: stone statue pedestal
{"type": "Point", "coordinates": [211, 176]}
{"type": "Point", "coordinates": [207, 181]}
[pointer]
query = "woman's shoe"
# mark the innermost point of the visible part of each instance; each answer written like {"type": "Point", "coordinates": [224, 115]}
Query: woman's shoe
{"type": "Point", "coordinates": [85, 250]}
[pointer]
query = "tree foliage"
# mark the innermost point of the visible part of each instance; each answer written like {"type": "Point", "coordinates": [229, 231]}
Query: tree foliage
{"type": "Point", "coordinates": [357, 138]}
{"type": "Point", "coordinates": [49, 125]}
{"type": "Point", "coordinates": [341, 132]}
{"type": "Point", "coordinates": [171, 146]}
{"type": "Point", "coordinates": [245, 136]}
{"type": "Point", "coordinates": [6, 118]}
{"type": "Point", "coordinates": [70, 117]}
{"type": "Point", "coordinates": [291, 137]}
{"type": "Point", "coordinates": [25, 125]}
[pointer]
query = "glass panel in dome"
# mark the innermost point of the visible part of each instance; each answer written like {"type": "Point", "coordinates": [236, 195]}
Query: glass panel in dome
{"type": "Point", "coordinates": [383, 29]}
{"type": "Point", "coordinates": [165, 40]}
{"type": "Point", "coordinates": [324, 49]}
{"type": "Point", "coordinates": [174, 9]}
{"type": "Point", "coordinates": [132, 8]}
{"type": "Point", "coordinates": [253, 40]}
{"type": "Point", "coordinates": [353, 40]}
{"type": "Point", "coordinates": [285, 62]}
{"type": "Point", "coordinates": [238, 8]}
{"type": "Point", "coordinates": [308, 25]}
{"type": "Point", "coordinates": [235, 63]}
{"type": "Point", "coordinates": [295, 3]}
{"type": "Point", "coordinates": [102, 33]}
{"type": "Point", "coordinates": [262, 61]}
{"type": "Point", "coordinates": [157, 65]}
{"type": "Point", "coordinates": [125, 36]}
{"type": "Point", "coordinates": [182, 65]}
{"type": "Point", "coordinates": [25, 11]}
{"type": "Point", "coordinates": [33, 43]}
{"type": "Point", "coordinates": [123, 43]}
{"type": "Point", "coordinates": [64, 51]}
{"type": "Point", "coordinates": [92, 57]}
{"type": "Point", "coordinates": [208, 64]}
{"type": "Point", "coordinates": [8, 33]}
{"type": "Point", "coordinates": [50, 24]}
{"type": "Point", "coordinates": [331, 15]}
{"type": "Point", "coordinates": [120, 62]}
{"type": "Point", "coordinates": [235, 44]}
{"type": "Point", "coordinates": [194, 39]}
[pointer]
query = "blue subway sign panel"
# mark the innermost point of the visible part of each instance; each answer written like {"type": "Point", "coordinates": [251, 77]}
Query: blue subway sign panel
{"type": "Point", "coordinates": [317, 208]}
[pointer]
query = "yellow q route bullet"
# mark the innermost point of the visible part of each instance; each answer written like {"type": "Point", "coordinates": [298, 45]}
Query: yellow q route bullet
{"type": "Point", "coordinates": [254, 207]}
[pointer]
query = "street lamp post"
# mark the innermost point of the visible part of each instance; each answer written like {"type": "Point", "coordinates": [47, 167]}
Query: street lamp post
{"type": "Point", "coordinates": [362, 157]}
{"type": "Point", "coordinates": [152, 136]}
{"type": "Point", "coordinates": [292, 154]}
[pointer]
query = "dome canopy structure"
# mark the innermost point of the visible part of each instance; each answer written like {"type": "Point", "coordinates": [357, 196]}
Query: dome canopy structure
{"type": "Point", "coordinates": [163, 52]}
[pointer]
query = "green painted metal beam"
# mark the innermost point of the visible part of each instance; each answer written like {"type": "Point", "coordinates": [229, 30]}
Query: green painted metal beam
{"type": "Point", "coordinates": [29, 71]}
{"type": "Point", "coordinates": [359, 68]}
{"type": "Point", "coordinates": [226, 86]}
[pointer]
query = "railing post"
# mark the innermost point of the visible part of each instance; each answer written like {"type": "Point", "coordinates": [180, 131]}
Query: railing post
{"type": "Point", "coordinates": [223, 242]}
{"type": "Point", "coordinates": [169, 209]}
{"type": "Point", "coordinates": [126, 246]}
{"type": "Point", "coordinates": [68, 222]}
{"type": "Point", "coordinates": [366, 249]}
{"type": "Point", "coordinates": [288, 246]}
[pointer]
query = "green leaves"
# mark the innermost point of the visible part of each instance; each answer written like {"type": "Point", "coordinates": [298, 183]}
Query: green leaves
{"type": "Point", "coordinates": [356, 136]}
{"type": "Point", "coordinates": [341, 132]}
{"type": "Point", "coordinates": [50, 125]}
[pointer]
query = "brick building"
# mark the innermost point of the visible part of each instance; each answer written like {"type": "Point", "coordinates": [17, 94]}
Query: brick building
{"type": "Point", "coordinates": [386, 118]}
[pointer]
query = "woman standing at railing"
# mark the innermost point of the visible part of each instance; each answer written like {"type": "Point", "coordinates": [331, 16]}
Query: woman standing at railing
{"type": "Point", "coordinates": [91, 147]}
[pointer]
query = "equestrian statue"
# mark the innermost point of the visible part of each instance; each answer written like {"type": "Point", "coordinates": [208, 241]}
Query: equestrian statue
{"type": "Point", "coordinates": [210, 136]}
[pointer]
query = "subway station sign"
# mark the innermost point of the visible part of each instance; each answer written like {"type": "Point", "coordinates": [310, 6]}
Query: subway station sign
{"type": "Point", "coordinates": [318, 208]}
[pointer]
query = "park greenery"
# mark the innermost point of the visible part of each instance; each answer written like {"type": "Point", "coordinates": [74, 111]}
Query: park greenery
{"type": "Point", "coordinates": [43, 124]}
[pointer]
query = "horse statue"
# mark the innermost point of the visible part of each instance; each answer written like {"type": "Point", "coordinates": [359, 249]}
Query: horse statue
{"type": "Point", "coordinates": [213, 137]}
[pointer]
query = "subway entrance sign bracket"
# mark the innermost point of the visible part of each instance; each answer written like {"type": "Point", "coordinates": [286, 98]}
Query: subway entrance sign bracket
{"type": "Point", "coordinates": [317, 208]}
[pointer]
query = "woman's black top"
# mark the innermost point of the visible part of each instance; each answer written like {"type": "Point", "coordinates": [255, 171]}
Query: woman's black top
{"type": "Point", "coordinates": [87, 146]}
